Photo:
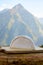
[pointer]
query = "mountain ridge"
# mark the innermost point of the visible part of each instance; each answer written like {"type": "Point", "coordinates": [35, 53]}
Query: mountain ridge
{"type": "Point", "coordinates": [18, 21]}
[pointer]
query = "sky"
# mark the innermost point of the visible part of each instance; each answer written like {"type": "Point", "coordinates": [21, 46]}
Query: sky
{"type": "Point", "coordinates": [33, 6]}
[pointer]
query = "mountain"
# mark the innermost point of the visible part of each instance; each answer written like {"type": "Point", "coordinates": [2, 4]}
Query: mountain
{"type": "Point", "coordinates": [18, 21]}
{"type": "Point", "coordinates": [41, 20]}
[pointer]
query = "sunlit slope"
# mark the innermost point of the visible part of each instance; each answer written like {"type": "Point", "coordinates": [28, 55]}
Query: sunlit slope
{"type": "Point", "coordinates": [41, 20]}
{"type": "Point", "coordinates": [18, 21]}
